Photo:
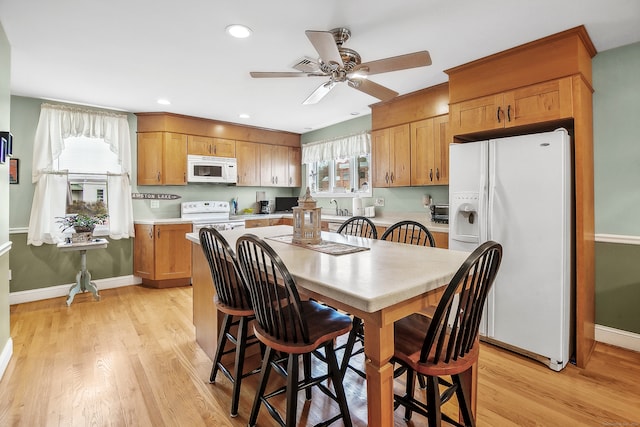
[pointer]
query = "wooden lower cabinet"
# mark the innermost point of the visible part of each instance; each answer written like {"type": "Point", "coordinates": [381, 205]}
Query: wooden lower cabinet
{"type": "Point", "coordinates": [162, 255]}
{"type": "Point", "coordinates": [442, 239]}
{"type": "Point", "coordinates": [266, 222]}
{"type": "Point", "coordinates": [261, 222]}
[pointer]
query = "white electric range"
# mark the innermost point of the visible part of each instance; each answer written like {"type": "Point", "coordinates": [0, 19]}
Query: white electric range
{"type": "Point", "coordinates": [209, 213]}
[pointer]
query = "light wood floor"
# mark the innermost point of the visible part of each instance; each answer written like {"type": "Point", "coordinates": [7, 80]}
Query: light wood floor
{"type": "Point", "coordinates": [131, 360]}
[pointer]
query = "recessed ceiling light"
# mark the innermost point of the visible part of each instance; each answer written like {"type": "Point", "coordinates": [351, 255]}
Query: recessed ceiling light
{"type": "Point", "coordinates": [244, 116]}
{"type": "Point", "coordinates": [238, 31]}
{"type": "Point", "coordinates": [164, 101]}
{"type": "Point", "coordinates": [355, 113]}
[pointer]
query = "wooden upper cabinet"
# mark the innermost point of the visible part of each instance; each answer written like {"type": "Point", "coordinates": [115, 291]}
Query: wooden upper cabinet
{"type": "Point", "coordinates": [422, 152]}
{"type": "Point", "coordinates": [295, 167]}
{"type": "Point", "coordinates": [537, 103]}
{"type": "Point", "coordinates": [430, 151]}
{"type": "Point", "coordinates": [162, 158]}
{"type": "Point", "coordinates": [391, 154]}
{"type": "Point", "coordinates": [208, 146]}
{"type": "Point", "coordinates": [274, 165]}
{"type": "Point", "coordinates": [443, 138]}
{"type": "Point", "coordinates": [248, 155]}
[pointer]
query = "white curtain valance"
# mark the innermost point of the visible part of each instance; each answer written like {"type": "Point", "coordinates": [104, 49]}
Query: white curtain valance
{"type": "Point", "coordinates": [337, 148]}
{"type": "Point", "coordinates": [58, 122]}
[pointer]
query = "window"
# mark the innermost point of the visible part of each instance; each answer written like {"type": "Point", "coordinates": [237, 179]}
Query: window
{"type": "Point", "coordinates": [88, 161]}
{"type": "Point", "coordinates": [340, 166]}
{"type": "Point", "coordinates": [328, 178]}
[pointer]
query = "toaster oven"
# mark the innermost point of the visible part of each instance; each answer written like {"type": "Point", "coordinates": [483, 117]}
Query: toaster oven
{"type": "Point", "coordinates": [440, 213]}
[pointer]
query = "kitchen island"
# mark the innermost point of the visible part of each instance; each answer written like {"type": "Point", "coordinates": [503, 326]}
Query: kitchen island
{"type": "Point", "coordinates": [358, 283]}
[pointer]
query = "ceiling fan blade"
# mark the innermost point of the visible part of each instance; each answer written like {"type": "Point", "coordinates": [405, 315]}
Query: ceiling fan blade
{"type": "Point", "coordinates": [373, 89]}
{"type": "Point", "coordinates": [402, 62]}
{"type": "Point", "coordinates": [261, 74]}
{"type": "Point", "coordinates": [325, 45]}
{"type": "Point", "coordinates": [319, 93]}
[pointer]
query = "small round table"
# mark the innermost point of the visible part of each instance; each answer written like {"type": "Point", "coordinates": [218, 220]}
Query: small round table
{"type": "Point", "coordinates": [83, 278]}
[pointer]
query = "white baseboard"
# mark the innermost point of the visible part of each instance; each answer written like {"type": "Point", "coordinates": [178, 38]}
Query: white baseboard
{"type": "Point", "coordinates": [618, 337]}
{"type": "Point", "coordinates": [63, 290]}
{"type": "Point", "coordinates": [5, 356]}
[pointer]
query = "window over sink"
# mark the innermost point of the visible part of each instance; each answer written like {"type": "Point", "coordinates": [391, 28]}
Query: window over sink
{"type": "Point", "coordinates": [343, 176]}
{"type": "Point", "coordinates": [340, 167]}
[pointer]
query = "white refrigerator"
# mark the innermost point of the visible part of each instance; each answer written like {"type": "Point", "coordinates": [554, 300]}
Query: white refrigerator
{"type": "Point", "coordinates": [517, 191]}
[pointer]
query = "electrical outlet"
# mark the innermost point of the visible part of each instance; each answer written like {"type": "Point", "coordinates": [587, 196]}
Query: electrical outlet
{"type": "Point", "coordinates": [155, 204]}
{"type": "Point", "coordinates": [379, 201]}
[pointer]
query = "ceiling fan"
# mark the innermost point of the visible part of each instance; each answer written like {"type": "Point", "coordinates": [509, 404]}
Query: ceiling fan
{"type": "Point", "coordinates": [342, 64]}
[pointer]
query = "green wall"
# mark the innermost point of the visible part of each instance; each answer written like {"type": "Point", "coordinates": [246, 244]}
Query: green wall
{"type": "Point", "coordinates": [616, 111]}
{"type": "Point", "coordinates": [5, 79]}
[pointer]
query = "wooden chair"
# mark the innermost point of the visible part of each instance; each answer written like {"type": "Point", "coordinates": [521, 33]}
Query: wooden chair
{"type": "Point", "coordinates": [362, 227]}
{"type": "Point", "coordinates": [410, 232]}
{"type": "Point", "coordinates": [233, 299]}
{"type": "Point", "coordinates": [291, 327]}
{"type": "Point", "coordinates": [447, 342]}
{"type": "Point", "coordinates": [359, 226]}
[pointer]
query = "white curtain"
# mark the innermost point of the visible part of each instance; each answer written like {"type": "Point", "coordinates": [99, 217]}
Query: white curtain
{"type": "Point", "coordinates": [337, 148]}
{"type": "Point", "coordinates": [120, 207]}
{"type": "Point", "coordinates": [56, 123]}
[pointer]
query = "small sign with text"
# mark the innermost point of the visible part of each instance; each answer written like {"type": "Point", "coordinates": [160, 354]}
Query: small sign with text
{"type": "Point", "coordinates": [155, 196]}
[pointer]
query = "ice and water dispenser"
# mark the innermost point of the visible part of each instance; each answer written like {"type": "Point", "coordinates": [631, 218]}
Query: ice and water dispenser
{"type": "Point", "coordinates": [465, 224]}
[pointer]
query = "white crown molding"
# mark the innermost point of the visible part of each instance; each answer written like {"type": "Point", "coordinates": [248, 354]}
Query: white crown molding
{"type": "Point", "coordinates": [63, 290]}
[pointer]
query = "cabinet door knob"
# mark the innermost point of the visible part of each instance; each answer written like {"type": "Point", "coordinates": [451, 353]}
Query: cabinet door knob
{"type": "Point", "coordinates": [509, 112]}
{"type": "Point", "coordinates": [386, 177]}
{"type": "Point", "coordinates": [498, 114]}
{"type": "Point", "coordinates": [158, 178]}
{"type": "Point", "coordinates": [431, 175]}
{"type": "Point", "coordinates": [438, 174]}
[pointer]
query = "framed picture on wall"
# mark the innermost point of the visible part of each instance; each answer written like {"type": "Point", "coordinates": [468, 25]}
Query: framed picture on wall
{"type": "Point", "coordinates": [3, 149]}
{"type": "Point", "coordinates": [14, 171]}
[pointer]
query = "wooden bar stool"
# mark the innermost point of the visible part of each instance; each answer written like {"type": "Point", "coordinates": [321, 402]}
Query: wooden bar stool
{"type": "Point", "coordinates": [291, 327]}
{"type": "Point", "coordinates": [233, 299]}
{"type": "Point", "coordinates": [446, 343]}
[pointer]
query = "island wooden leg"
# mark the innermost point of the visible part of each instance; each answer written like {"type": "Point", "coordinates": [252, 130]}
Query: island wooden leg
{"type": "Point", "coordinates": [378, 349]}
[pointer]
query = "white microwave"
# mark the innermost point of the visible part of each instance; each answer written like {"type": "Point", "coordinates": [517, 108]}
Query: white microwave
{"type": "Point", "coordinates": [215, 170]}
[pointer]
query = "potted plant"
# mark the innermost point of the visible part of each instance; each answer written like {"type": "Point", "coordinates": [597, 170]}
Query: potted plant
{"type": "Point", "coordinates": [83, 218]}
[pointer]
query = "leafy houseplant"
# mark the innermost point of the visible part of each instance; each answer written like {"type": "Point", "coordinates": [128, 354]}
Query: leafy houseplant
{"type": "Point", "coordinates": [82, 223]}
{"type": "Point", "coordinates": [83, 218]}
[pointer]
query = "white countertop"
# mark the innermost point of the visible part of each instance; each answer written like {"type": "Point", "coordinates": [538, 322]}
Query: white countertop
{"type": "Point", "coordinates": [369, 280]}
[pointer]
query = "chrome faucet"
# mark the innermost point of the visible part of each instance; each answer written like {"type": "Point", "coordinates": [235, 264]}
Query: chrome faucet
{"type": "Point", "coordinates": [336, 202]}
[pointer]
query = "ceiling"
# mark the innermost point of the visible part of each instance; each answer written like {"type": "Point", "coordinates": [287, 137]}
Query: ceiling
{"type": "Point", "coordinates": [125, 55]}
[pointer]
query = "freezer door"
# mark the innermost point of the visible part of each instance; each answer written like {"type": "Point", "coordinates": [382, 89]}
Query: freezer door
{"type": "Point", "coordinates": [467, 194]}
{"type": "Point", "coordinates": [530, 215]}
